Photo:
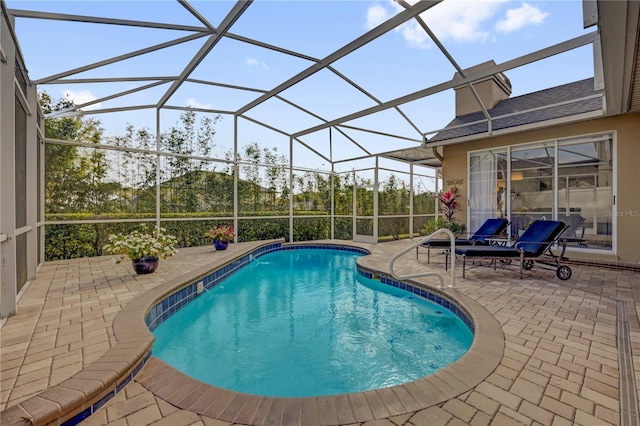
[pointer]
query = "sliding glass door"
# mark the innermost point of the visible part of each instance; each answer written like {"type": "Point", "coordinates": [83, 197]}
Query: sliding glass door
{"type": "Point", "coordinates": [570, 180]}
{"type": "Point", "coordinates": [487, 172]}
{"type": "Point", "coordinates": [531, 185]}
{"type": "Point", "coordinates": [585, 189]}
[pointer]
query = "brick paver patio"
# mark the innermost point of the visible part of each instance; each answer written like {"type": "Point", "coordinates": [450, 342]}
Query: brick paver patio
{"type": "Point", "coordinates": [563, 346]}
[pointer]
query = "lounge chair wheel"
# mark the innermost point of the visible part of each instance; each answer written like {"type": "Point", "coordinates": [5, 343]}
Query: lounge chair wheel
{"type": "Point", "coordinates": [563, 272]}
{"type": "Point", "coordinates": [528, 265]}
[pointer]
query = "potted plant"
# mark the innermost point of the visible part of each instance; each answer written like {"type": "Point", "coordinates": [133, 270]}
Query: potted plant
{"type": "Point", "coordinates": [222, 235]}
{"type": "Point", "coordinates": [143, 248]}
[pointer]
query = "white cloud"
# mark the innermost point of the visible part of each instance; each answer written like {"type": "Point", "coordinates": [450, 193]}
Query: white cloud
{"type": "Point", "coordinates": [81, 97]}
{"type": "Point", "coordinates": [457, 20]}
{"type": "Point", "coordinates": [256, 63]}
{"type": "Point", "coordinates": [376, 15]}
{"type": "Point", "coordinates": [521, 17]}
{"type": "Point", "coordinates": [461, 20]}
{"type": "Point", "coordinates": [195, 104]}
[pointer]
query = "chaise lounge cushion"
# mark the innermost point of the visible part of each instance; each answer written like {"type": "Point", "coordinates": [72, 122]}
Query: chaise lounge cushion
{"type": "Point", "coordinates": [489, 229]}
{"type": "Point", "coordinates": [533, 242]}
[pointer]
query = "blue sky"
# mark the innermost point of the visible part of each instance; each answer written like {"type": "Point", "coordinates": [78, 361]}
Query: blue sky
{"type": "Point", "coordinates": [402, 61]}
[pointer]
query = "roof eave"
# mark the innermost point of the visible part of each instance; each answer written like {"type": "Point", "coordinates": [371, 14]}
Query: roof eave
{"type": "Point", "coordinates": [519, 129]}
{"type": "Point", "coordinates": [619, 51]}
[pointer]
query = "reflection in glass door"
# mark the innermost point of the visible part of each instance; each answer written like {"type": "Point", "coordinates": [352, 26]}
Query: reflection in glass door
{"type": "Point", "coordinates": [585, 193]}
{"type": "Point", "coordinates": [487, 183]}
{"type": "Point", "coordinates": [569, 180]}
{"type": "Point", "coordinates": [531, 185]}
{"type": "Point", "coordinates": [365, 221]}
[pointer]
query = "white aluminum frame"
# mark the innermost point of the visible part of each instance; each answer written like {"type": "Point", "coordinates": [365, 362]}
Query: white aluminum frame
{"type": "Point", "coordinates": [211, 35]}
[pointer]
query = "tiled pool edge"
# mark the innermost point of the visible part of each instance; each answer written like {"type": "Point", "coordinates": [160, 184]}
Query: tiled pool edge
{"type": "Point", "coordinates": [76, 398]}
{"type": "Point", "coordinates": [180, 296]}
{"type": "Point", "coordinates": [165, 308]}
{"type": "Point", "coordinates": [479, 362]}
{"type": "Point", "coordinates": [426, 293]}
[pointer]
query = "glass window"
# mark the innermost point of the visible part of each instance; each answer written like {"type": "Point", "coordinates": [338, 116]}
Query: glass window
{"type": "Point", "coordinates": [585, 193]}
{"type": "Point", "coordinates": [21, 261]}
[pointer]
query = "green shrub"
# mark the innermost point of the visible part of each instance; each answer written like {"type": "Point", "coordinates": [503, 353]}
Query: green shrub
{"type": "Point", "coordinates": [69, 241]}
{"type": "Point", "coordinates": [434, 224]}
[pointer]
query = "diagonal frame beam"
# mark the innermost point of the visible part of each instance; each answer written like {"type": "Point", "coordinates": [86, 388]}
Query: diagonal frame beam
{"type": "Point", "coordinates": [373, 98]}
{"type": "Point", "coordinates": [110, 80]}
{"type": "Point", "coordinates": [378, 31]}
{"type": "Point", "coordinates": [119, 58]}
{"type": "Point", "coordinates": [453, 62]}
{"type": "Point", "coordinates": [104, 99]}
{"type": "Point", "coordinates": [564, 46]}
{"type": "Point", "coordinates": [99, 20]}
{"type": "Point", "coordinates": [234, 14]}
{"type": "Point", "coordinates": [197, 14]}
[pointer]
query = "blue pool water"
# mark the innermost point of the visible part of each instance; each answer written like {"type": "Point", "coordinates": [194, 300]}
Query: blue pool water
{"type": "Point", "coordinates": [304, 323]}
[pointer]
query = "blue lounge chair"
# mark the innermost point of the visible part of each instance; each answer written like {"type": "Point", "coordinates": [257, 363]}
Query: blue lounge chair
{"type": "Point", "coordinates": [491, 228]}
{"type": "Point", "coordinates": [531, 245]}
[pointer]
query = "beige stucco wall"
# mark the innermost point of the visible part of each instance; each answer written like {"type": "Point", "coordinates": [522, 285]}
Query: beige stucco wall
{"type": "Point", "coordinates": [627, 139]}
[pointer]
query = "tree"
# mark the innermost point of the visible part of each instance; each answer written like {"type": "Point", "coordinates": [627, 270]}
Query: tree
{"type": "Point", "coordinates": [75, 178]}
{"type": "Point", "coordinates": [256, 159]}
{"type": "Point", "coordinates": [136, 171]}
{"type": "Point", "coordinates": [251, 155]}
{"type": "Point", "coordinates": [186, 177]}
{"type": "Point", "coordinates": [277, 178]}
{"type": "Point", "coordinates": [394, 200]}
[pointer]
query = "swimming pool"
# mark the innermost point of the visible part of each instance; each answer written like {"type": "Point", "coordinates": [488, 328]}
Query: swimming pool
{"type": "Point", "coordinates": [320, 327]}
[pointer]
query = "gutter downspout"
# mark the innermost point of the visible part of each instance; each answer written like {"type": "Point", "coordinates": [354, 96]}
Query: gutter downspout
{"type": "Point", "coordinates": [437, 154]}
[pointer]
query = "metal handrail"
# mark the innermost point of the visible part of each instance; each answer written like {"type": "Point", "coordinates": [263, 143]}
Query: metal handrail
{"type": "Point", "coordinates": [424, 274]}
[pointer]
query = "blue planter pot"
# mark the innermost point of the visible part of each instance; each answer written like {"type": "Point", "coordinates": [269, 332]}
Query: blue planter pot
{"type": "Point", "coordinates": [220, 245]}
{"type": "Point", "coordinates": [145, 265]}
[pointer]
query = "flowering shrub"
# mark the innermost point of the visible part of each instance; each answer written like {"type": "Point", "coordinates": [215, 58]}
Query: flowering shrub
{"type": "Point", "coordinates": [448, 204]}
{"type": "Point", "coordinates": [139, 244]}
{"type": "Point", "coordinates": [221, 233]}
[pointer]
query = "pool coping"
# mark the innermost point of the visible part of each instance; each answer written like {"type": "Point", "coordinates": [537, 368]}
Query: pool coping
{"type": "Point", "coordinates": [455, 379]}
{"type": "Point", "coordinates": [76, 398]}
{"type": "Point", "coordinates": [130, 357]}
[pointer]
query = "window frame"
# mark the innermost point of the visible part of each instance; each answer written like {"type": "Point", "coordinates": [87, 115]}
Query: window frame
{"type": "Point", "coordinates": [556, 144]}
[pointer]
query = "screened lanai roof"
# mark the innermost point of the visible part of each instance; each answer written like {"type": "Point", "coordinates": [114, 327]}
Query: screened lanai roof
{"type": "Point", "coordinates": [344, 79]}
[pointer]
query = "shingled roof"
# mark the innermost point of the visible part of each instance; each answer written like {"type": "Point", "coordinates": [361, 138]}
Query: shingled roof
{"type": "Point", "coordinates": [511, 107]}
